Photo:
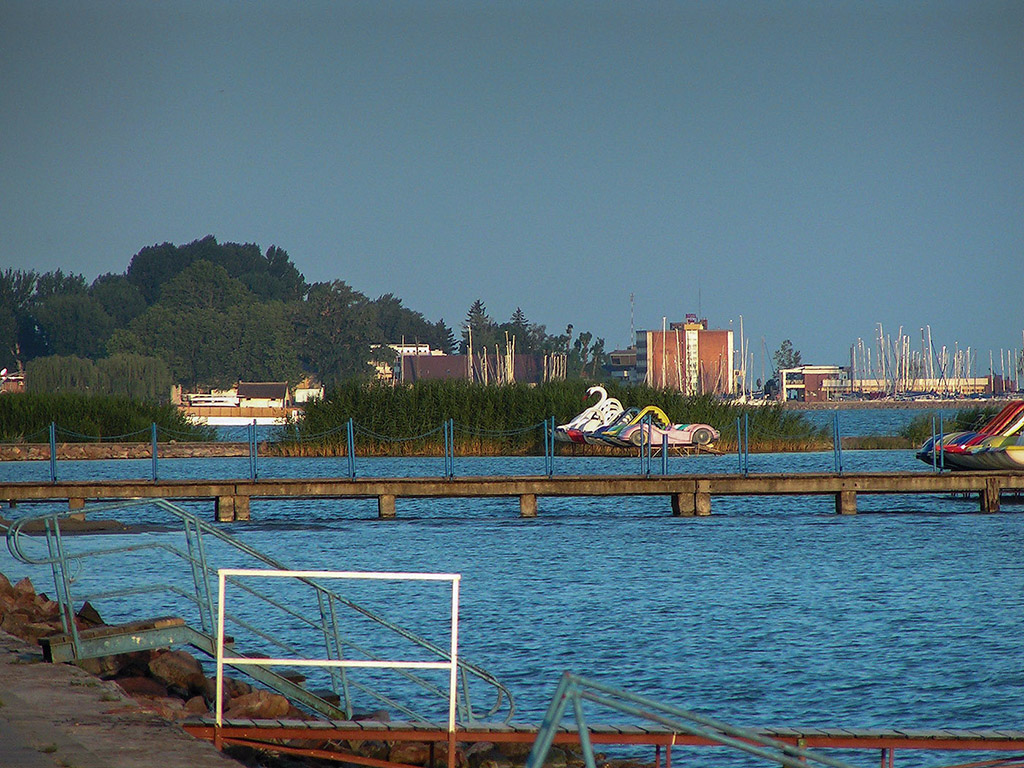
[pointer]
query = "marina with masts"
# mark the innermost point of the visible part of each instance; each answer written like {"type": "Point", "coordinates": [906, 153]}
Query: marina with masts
{"type": "Point", "coordinates": [894, 368]}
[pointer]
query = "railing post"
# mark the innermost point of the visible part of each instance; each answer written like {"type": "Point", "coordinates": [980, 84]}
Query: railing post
{"type": "Point", "coordinates": [253, 452]}
{"type": "Point", "coordinates": [837, 444]}
{"type": "Point", "coordinates": [746, 442]}
{"type": "Point", "coordinates": [153, 436]}
{"type": "Point", "coordinates": [664, 453]}
{"type": "Point", "coordinates": [935, 449]}
{"type": "Point", "coordinates": [53, 452]}
{"type": "Point", "coordinates": [942, 456]}
{"type": "Point", "coordinates": [739, 444]}
{"type": "Point", "coordinates": [350, 448]}
{"type": "Point", "coordinates": [549, 446]}
{"type": "Point", "coordinates": [450, 449]}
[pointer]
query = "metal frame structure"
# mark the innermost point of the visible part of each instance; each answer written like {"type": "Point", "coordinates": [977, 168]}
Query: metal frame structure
{"type": "Point", "coordinates": [242, 661]}
{"type": "Point", "coordinates": [573, 690]}
{"type": "Point", "coordinates": [76, 644]}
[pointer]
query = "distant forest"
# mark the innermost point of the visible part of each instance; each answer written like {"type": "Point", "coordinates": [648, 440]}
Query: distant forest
{"type": "Point", "coordinates": [208, 314]}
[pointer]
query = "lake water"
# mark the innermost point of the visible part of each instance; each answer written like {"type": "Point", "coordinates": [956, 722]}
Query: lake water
{"type": "Point", "coordinates": [773, 611]}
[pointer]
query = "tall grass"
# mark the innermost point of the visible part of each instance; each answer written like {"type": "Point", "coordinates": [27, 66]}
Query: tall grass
{"type": "Point", "coordinates": [495, 420]}
{"type": "Point", "coordinates": [26, 417]}
{"type": "Point", "coordinates": [920, 428]}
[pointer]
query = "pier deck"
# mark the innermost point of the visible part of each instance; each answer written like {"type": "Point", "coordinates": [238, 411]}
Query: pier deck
{"type": "Point", "coordinates": [886, 739]}
{"type": "Point", "coordinates": [689, 495]}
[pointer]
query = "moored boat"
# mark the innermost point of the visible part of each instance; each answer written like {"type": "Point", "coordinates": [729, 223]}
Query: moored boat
{"type": "Point", "coordinates": [607, 423]}
{"type": "Point", "coordinates": [999, 445]}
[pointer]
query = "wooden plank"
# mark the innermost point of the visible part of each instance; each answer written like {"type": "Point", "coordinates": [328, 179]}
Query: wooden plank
{"type": "Point", "coordinates": [322, 725]}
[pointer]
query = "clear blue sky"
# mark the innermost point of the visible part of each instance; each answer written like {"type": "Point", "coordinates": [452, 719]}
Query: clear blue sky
{"type": "Point", "coordinates": [816, 167]}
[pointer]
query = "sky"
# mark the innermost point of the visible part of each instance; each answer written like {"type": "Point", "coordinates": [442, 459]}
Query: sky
{"type": "Point", "coordinates": [816, 168]}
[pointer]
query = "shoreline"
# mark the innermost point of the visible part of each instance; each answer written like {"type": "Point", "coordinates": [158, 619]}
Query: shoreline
{"type": "Point", "coordinates": [215, 449]}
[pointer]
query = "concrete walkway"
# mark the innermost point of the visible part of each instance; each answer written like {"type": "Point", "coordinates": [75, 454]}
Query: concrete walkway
{"type": "Point", "coordinates": [57, 715]}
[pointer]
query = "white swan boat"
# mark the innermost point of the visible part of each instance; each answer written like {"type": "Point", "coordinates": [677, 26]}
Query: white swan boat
{"type": "Point", "coordinates": [606, 422]}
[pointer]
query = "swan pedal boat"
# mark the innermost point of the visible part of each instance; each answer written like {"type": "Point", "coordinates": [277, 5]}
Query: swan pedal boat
{"type": "Point", "coordinates": [999, 445]}
{"type": "Point", "coordinates": [606, 422]}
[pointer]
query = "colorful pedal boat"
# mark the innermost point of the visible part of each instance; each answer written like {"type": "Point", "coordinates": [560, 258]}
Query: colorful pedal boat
{"type": "Point", "coordinates": [607, 423]}
{"type": "Point", "coordinates": [999, 445]}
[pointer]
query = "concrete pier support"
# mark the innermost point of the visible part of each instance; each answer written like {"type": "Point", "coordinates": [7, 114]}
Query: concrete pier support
{"type": "Point", "coordinates": [989, 496]}
{"type": "Point", "coordinates": [528, 505]}
{"type": "Point", "coordinates": [76, 504]}
{"type": "Point", "coordinates": [683, 504]}
{"type": "Point", "coordinates": [846, 503]}
{"type": "Point", "coordinates": [702, 499]}
{"type": "Point", "coordinates": [229, 509]}
{"type": "Point", "coordinates": [386, 507]}
{"type": "Point", "coordinates": [693, 504]}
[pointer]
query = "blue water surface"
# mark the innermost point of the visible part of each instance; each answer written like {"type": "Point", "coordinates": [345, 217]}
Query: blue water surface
{"type": "Point", "coordinates": [772, 611]}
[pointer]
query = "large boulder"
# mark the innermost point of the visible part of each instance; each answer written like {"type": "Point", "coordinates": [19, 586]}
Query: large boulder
{"type": "Point", "coordinates": [258, 705]}
{"type": "Point", "coordinates": [418, 753]}
{"type": "Point", "coordinates": [26, 626]}
{"type": "Point", "coordinates": [168, 709]}
{"type": "Point", "coordinates": [197, 706]}
{"type": "Point", "coordinates": [25, 588]}
{"type": "Point", "coordinates": [135, 664]}
{"type": "Point", "coordinates": [178, 669]}
{"type": "Point", "coordinates": [232, 689]}
{"type": "Point", "coordinates": [142, 686]}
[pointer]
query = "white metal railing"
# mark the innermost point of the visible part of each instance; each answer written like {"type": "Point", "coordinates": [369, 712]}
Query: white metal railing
{"type": "Point", "coordinates": [238, 661]}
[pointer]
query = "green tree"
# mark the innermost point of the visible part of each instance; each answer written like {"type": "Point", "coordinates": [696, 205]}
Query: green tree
{"type": "Point", "coordinates": [396, 322]}
{"type": "Point", "coordinates": [481, 329]}
{"type": "Point", "coordinates": [138, 377]}
{"type": "Point", "coordinates": [530, 337]}
{"type": "Point", "coordinates": [153, 266]}
{"type": "Point", "coordinates": [260, 341]}
{"type": "Point", "coordinates": [279, 281]}
{"type": "Point", "coordinates": [74, 324]}
{"type": "Point", "coordinates": [270, 277]}
{"type": "Point", "coordinates": [56, 373]}
{"type": "Point", "coordinates": [204, 285]}
{"type": "Point", "coordinates": [192, 342]}
{"type": "Point", "coordinates": [786, 356]}
{"type": "Point", "coordinates": [57, 283]}
{"type": "Point", "coordinates": [16, 323]}
{"type": "Point", "coordinates": [333, 330]}
{"type": "Point", "coordinates": [120, 299]}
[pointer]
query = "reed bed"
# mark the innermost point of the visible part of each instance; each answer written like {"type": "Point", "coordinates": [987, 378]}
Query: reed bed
{"type": "Point", "coordinates": [921, 427]}
{"type": "Point", "coordinates": [492, 420]}
{"type": "Point", "coordinates": [26, 417]}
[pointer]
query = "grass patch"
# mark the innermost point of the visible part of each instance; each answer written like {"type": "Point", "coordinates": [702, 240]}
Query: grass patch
{"type": "Point", "coordinates": [491, 420]}
{"type": "Point", "coordinates": [924, 425]}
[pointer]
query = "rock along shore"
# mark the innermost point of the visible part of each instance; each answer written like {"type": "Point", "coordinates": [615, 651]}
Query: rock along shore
{"type": "Point", "coordinates": [173, 450]}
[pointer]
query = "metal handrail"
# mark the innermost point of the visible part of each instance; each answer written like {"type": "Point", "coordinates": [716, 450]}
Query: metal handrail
{"type": "Point", "coordinates": [451, 665]}
{"type": "Point", "coordinates": [573, 690]}
{"type": "Point", "coordinates": [62, 562]}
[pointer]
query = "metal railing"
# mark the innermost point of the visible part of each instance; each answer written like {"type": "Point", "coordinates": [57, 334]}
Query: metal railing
{"type": "Point", "coordinates": [451, 664]}
{"type": "Point", "coordinates": [575, 690]}
{"type": "Point", "coordinates": [331, 609]}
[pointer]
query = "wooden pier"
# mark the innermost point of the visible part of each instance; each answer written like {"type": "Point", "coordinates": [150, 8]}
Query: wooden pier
{"type": "Point", "coordinates": [688, 495]}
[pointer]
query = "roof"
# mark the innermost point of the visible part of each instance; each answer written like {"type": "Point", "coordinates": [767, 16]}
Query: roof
{"type": "Point", "coordinates": [263, 390]}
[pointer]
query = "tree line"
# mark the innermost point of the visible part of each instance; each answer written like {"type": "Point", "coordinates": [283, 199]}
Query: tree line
{"type": "Point", "coordinates": [208, 314]}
